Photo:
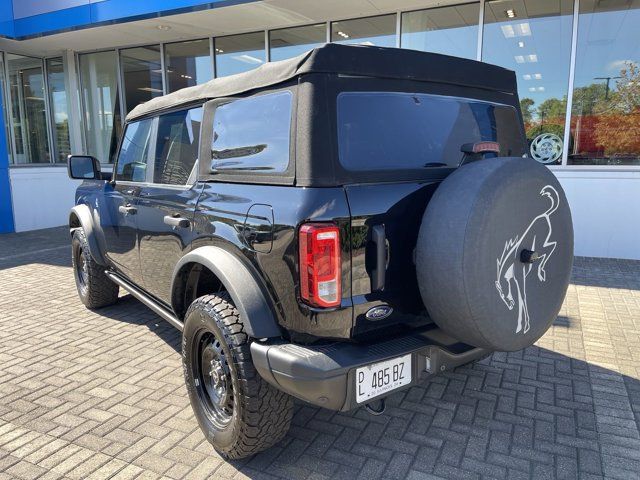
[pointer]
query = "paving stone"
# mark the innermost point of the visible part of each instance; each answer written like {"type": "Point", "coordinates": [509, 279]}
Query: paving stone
{"type": "Point", "coordinates": [100, 395]}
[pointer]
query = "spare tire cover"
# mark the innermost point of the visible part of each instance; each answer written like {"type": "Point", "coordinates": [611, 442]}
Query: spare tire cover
{"type": "Point", "coordinates": [494, 253]}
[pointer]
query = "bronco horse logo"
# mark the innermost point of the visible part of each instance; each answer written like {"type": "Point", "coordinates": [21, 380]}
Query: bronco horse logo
{"type": "Point", "coordinates": [516, 262]}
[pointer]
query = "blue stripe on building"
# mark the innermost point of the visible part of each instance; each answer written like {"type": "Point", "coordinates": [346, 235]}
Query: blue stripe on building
{"type": "Point", "coordinates": [94, 13]}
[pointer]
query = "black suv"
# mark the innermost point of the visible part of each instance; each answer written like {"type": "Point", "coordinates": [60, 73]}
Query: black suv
{"type": "Point", "coordinates": [334, 227]}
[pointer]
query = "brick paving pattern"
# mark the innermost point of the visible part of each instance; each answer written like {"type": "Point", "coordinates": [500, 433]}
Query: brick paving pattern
{"type": "Point", "coordinates": [100, 394]}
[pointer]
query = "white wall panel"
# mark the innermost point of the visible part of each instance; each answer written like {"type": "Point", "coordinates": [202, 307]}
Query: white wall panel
{"type": "Point", "coordinates": [606, 211]}
{"type": "Point", "coordinates": [42, 197]}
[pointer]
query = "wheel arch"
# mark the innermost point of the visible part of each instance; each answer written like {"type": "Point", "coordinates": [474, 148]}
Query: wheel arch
{"type": "Point", "coordinates": [80, 217]}
{"type": "Point", "coordinates": [249, 297]}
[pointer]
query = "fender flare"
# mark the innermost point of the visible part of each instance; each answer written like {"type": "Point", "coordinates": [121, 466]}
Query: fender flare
{"type": "Point", "coordinates": [83, 214]}
{"type": "Point", "coordinates": [245, 291]}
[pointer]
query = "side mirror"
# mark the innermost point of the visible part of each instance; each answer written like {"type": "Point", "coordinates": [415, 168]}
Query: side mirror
{"type": "Point", "coordinates": [83, 167]}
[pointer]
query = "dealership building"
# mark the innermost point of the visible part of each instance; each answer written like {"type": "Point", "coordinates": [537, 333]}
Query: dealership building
{"type": "Point", "coordinates": [70, 70]}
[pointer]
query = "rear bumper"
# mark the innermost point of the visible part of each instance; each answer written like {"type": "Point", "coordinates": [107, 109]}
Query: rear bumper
{"type": "Point", "coordinates": [325, 375]}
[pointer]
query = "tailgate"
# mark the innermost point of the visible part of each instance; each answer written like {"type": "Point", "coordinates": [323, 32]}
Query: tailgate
{"type": "Point", "coordinates": [385, 220]}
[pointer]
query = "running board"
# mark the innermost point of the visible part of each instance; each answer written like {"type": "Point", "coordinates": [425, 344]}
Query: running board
{"type": "Point", "coordinates": [145, 299]}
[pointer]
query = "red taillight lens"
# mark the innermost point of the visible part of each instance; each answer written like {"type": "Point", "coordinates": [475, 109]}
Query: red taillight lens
{"type": "Point", "coordinates": [320, 265]}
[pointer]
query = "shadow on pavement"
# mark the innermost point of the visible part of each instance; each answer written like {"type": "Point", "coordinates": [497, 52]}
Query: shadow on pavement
{"type": "Point", "coordinates": [51, 246]}
{"type": "Point", "coordinates": [529, 414]}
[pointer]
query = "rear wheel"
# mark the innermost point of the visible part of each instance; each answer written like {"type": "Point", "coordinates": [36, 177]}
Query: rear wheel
{"type": "Point", "coordinates": [239, 413]}
{"type": "Point", "coordinates": [94, 287]}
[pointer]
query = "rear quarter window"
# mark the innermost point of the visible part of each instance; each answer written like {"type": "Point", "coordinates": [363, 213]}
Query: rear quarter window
{"type": "Point", "coordinates": [252, 134]}
{"type": "Point", "coordinates": [397, 130]}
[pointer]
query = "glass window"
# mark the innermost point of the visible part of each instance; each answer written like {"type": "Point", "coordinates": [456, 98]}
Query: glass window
{"type": "Point", "coordinates": [289, 42]}
{"type": "Point", "coordinates": [253, 134]}
{"type": "Point", "coordinates": [533, 38]}
{"type": "Point", "coordinates": [605, 117]}
{"type": "Point", "coordinates": [449, 30]}
{"type": "Point", "coordinates": [142, 74]}
{"type": "Point", "coordinates": [28, 117]}
{"type": "Point", "coordinates": [390, 130]}
{"type": "Point", "coordinates": [3, 93]}
{"type": "Point", "coordinates": [102, 119]}
{"type": "Point", "coordinates": [187, 64]}
{"type": "Point", "coordinates": [177, 146]}
{"type": "Point", "coordinates": [239, 53]}
{"type": "Point", "coordinates": [59, 106]}
{"type": "Point", "coordinates": [134, 152]}
{"type": "Point", "coordinates": [379, 31]}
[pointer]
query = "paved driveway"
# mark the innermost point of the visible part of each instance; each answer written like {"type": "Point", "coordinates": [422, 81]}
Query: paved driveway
{"type": "Point", "coordinates": [100, 395]}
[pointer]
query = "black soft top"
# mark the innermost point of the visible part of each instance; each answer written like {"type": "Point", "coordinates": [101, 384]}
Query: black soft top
{"type": "Point", "coordinates": [353, 60]}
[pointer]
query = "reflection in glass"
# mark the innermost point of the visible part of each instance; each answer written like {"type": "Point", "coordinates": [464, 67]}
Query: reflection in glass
{"type": "Point", "coordinates": [450, 30]}
{"type": "Point", "coordinates": [187, 64]}
{"type": "Point", "coordinates": [142, 75]}
{"type": "Point", "coordinates": [533, 38]}
{"type": "Point", "coordinates": [252, 134]}
{"type": "Point", "coordinates": [134, 152]}
{"type": "Point", "coordinates": [28, 118]}
{"type": "Point", "coordinates": [59, 106]}
{"type": "Point", "coordinates": [379, 31]}
{"type": "Point", "coordinates": [239, 53]}
{"type": "Point", "coordinates": [289, 42]}
{"type": "Point", "coordinates": [605, 117]}
{"type": "Point", "coordinates": [102, 121]}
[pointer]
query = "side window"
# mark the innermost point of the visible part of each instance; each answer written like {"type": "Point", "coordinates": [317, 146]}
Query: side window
{"type": "Point", "coordinates": [177, 146]}
{"type": "Point", "coordinates": [253, 134]}
{"type": "Point", "coordinates": [134, 152]}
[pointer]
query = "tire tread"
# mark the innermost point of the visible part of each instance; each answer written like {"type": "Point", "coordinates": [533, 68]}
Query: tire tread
{"type": "Point", "coordinates": [267, 411]}
{"type": "Point", "coordinates": [101, 291]}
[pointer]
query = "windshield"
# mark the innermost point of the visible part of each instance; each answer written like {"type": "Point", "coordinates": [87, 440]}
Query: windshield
{"type": "Point", "coordinates": [392, 130]}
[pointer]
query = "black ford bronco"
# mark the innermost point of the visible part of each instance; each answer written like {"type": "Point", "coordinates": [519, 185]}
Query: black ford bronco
{"type": "Point", "coordinates": [334, 227]}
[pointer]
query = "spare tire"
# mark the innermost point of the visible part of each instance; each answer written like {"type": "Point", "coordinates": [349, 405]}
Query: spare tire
{"type": "Point", "coordinates": [494, 253]}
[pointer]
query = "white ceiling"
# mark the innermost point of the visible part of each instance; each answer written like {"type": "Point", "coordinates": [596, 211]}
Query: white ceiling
{"type": "Point", "coordinates": [240, 18]}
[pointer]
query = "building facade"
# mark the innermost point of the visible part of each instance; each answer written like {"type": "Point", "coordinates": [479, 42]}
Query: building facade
{"type": "Point", "coordinates": [70, 70]}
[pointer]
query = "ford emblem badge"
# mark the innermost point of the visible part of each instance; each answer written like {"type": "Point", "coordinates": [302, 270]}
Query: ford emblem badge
{"type": "Point", "coordinates": [379, 313]}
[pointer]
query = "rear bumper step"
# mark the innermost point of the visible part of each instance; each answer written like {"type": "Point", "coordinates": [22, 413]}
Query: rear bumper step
{"type": "Point", "coordinates": [325, 375]}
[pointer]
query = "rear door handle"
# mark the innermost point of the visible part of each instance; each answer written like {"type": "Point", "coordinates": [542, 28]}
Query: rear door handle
{"type": "Point", "coordinates": [127, 209]}
{"type": "Point", "coordinates": [379, 239]}
{"type": "Point", "coordinates": [180, 222]}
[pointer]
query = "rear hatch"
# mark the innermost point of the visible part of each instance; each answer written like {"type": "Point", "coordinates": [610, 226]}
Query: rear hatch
{"type": "Point", "coordinates": [383, 136]}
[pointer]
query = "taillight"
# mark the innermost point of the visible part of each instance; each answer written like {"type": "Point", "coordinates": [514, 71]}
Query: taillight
{"type": "Point", "coordinates": [320, 264]}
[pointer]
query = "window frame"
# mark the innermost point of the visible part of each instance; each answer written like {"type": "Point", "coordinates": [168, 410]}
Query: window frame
{"type": "Point", "coordinates": [154, 131]}
{"type": "Point", "coordinates": [286, 177]}
{"type": "Point", "coordinates": [194, 168]}
{"type": "Point", "coordinates": [328, 119]}
{"type": "Point", "coordinates": [150, 152]}
{"type": "Point", "coordinates": [457, 98]}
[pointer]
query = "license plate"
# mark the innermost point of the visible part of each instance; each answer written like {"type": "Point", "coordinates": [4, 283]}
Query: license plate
{"type": "Point", "coordinates": [382, 377]}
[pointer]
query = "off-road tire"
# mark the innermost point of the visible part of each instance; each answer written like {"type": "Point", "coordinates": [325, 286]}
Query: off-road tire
{"type": "Point", "coordinates": [95, 289]}
{"type": "Point", "coordinates": [261, 414]}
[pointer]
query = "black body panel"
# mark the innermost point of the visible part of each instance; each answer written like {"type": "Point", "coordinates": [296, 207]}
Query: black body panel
{"type": "Point", "coordinates": [255, 216]}
{"type": "Point", "coordinates": [222, 219]}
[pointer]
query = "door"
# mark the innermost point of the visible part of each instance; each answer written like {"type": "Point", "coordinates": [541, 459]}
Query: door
{"type": "Point", "coordinates": [166, 205]}
{"type": "Point", "coordinates": [119, 217]}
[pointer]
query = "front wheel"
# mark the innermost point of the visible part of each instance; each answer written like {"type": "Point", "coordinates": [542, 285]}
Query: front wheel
{"type": "Point", "coordinates": [94, 287]}
{"type": "Point", "coordinates": [239, 413]}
